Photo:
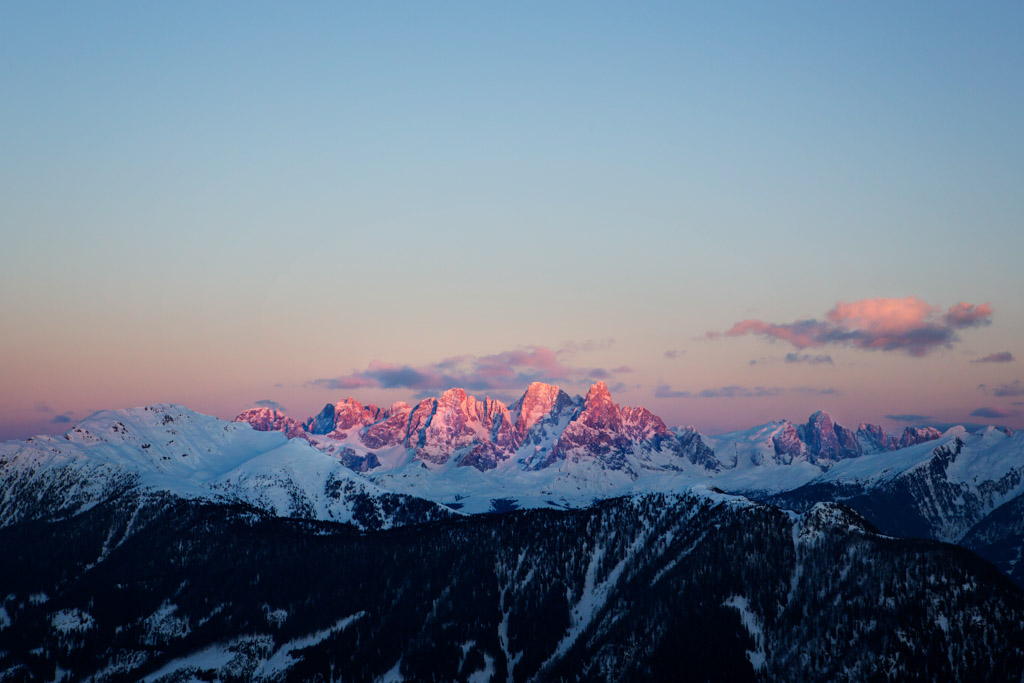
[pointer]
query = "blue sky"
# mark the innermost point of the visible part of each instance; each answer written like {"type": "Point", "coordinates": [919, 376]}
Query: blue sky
{"type": "Point", "coordinates": [218, 203]}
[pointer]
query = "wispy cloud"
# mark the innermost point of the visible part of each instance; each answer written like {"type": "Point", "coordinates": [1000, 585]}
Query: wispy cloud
{"type": "Point", "coordinates": [1014, 388]}
{"type": "Point", "coordinates": [1001, 357]}
{"type": "Point", "coordinates": [909, 325]}
{"type": "Point", "coordinates": [673, 353]}
{"type": "Point", "coordinates": [810, 359]}
{"type": "Point", "coordinates": [735, 391]}
{"type": "Point", "coordinates": [993, 412]}
{"type": "Point", "coordinates": [267, 403]}
{"type": "Point", "coordinates": [570, 348]}
{"type": "Point", "coordinates": [58, 418]}
{"type": "Point", "coordinates": [908, 417]}
{"type": "Point", "coordinates": [496, 372]}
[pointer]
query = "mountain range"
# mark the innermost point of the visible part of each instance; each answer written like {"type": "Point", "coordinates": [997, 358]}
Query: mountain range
{"type": "Point", "coordinates": [363, 543]}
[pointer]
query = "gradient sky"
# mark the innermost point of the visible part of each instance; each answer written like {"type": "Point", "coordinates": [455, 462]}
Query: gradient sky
{"type": "Point", "coordinates": [223, 203]}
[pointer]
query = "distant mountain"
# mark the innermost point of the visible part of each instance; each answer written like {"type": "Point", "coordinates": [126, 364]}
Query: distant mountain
{"type": "Point", "coordinates": [820, 442]}
{"type": "Point", "coordinates": [543, 427]}
{"type": "Point", "coordinates": [166, 449]}
{"type": "Point", "coordinates": [159, 544]}
{"type": "Point", "coordinates": [601, 448]}
{"type": "Point", "coordinates": [938, 489]}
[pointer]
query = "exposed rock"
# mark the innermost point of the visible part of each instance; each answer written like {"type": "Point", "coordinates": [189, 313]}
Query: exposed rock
{"type": "Point", "coordinates": [915, 435]}
{"type": "Point", "coordinates": [392, 430]}
{"type": "Point", "coordinates": [269, 420]}
{"type": "Point", "coordinates": [455, 422]}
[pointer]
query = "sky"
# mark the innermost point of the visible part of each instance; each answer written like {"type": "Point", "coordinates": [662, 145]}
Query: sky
{"type": "Point", "coordinates": [729, 212]}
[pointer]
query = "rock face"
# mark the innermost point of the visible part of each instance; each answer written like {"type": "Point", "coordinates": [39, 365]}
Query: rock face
{"type": "Point", "coordinates": [915, 435]}
{"type": "Point", "coordinates": [457, 423]}
{"type": "Point", "coordinates": [625, 438]}
{"type": "Point", "coordinates": [335, 420]}
{"type": "Point", "coordinates": [873, 439]}
{"type": "Point", "coordinates": [390, 431]}
{"type": "Point", "coordinates": [546, 426]}
{"type": "Point", "coordinates": [539, 417]}
{"type": "Point", "coordinates": [826, 440]}
{"type": "Point", "coordinates": [822, 441]}
{"type": "Point", "coordinates": [543, 427]}
{"type": "Point", "coordinates": [598, 431]}
{"type": "Point", "coordinates": [268, 420]}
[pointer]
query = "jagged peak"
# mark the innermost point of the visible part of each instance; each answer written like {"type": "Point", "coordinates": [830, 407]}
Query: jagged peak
{"type": "Point", "coordinates": [599, 392]}
{"type": "Point", "coordinates": [260, 410]}
{"type": "Point", "coordinates": [820, 417]}
{"type": "Point", "coordinates": [541, 388]}
{"type": "Point", "coordinates": [454, 395]}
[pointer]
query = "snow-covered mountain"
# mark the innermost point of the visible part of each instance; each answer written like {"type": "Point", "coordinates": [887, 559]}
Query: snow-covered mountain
{"type": "Point", "coordinates": [457, 454]}
{"type": "Point", "coordinates": [820, 442]}
{"type": "Point", "coordinates": [937, 489]}
{"type": "Point", "coordinates": [160, 544]}
{"type": "Point", "coordinates": [168, 450]}
{"type": "Point", "coordinates": [549, 449]}
{"type": "Point", "coordinates": [540, 429]}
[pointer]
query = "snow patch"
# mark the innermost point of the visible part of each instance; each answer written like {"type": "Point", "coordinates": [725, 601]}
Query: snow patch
{"type": "Point", "coordinates": [69, 620]}
{"type": "Point", "coordinates": [758, 657]}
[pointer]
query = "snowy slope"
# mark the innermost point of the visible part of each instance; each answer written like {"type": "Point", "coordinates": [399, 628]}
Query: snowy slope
{"type": "Point", "coordinates": [169, 449]}
{"type": "Point", "coordinates": [939, 489]}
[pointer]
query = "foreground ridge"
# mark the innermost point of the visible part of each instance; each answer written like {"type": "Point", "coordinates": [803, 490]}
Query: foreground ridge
{"type": "Point", "coordinates": [640, 587]}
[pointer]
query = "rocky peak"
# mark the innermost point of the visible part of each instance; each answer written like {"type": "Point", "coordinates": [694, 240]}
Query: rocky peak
{"type": "Point", "coordinates": [788, 444]}
{"type": "Point", "coordinates": [390, 431]}
{"type": "Point", "coordinates": [322, 422]}
{"type": "Point", "coordinates": [534, 405]}
{"type": "Point", "coordinates": [827, 440]}
{"type": "Point", "coordinates": [351, 413]}
{"type": "Point", "coordinates": [613, 435]}
{"type": "Point", "coordinates": [915, 435]}
{"type": "Point", "coordinates": [819, 433]}
{"type": "Point", "coordinates": [269, 420]}
{"type": "Point", "coordinates": [598, 410]}
{"type": "Point", "coordinates": [396, 407]}
{"type": "Point", "coordinates": [873, 438]}
{"type": "Point", "coordinates": [456, 421]}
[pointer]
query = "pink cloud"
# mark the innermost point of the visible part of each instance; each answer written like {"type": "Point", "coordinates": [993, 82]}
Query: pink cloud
{"type": "Point", "coordinates": [991, 412]}
{"type": "Point", "coordinates": [495, 372]}
{"type": "Point", "coordinates": [909, 325]}
{"type": "Point", "coordinates": [968, 315]}
{"type": "Point", "coordinates": [734, 391]}
{"type": "Point", "coordinates": [1000, 357]}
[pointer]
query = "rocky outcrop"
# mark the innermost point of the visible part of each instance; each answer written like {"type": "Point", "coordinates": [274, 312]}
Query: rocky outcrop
{"type": "Point", "coordinates": [597, 431]}
{"type": "Point", "coordinates": [826, 440]}
{"type": "Point", "coordinates": [456, 423]}
{"type": "Point", "coordinates": [269, 420]}
{"type": "Point", "coordinates": [390, 431]}
{"type": "Point", "coordinates": [335, 420]}
{"type": "Point", "coordinates": [822, 441]}
{"type": "Point", "coordinates": [539, 416]}
{"type": "Point", "coordinates": [873, 439]}
{"type": "Point", "coordinates": [625, 438]}
{"type": "Point", "coordinates": [915, 435]}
